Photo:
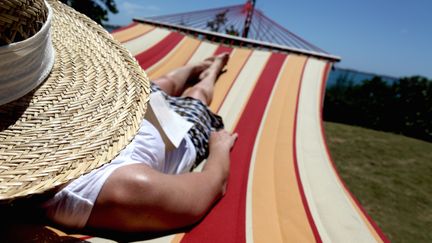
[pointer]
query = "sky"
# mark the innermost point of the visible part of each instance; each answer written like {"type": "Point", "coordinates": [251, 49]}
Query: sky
{"type": "Point", "coordinates": [386, 37]}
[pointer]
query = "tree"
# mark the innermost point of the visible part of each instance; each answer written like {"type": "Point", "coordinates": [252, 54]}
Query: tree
{"type": "Point", "coordinates": [404, 106]}
{"type": "Point", "coordinates": [413, 102]}
{"type": "Point", "coordinates": [232, 31]}
{"type": "Point", "coordinates": [94, 9]}
{"type": "Point", "coordinates": [219, 20]}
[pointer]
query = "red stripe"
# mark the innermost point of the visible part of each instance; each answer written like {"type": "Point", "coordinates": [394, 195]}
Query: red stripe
{"type": "Point", "coordinates": [151, 56]}
{"type": "Point", "coordinates": [222, 49]}
{"type": "Point", "coordinates": [124, 27]}
{"type": "Point", "coordinates": [85, 237]}
{"type": "Point", "coordinates": [374, 225]}
{"type": "Point", "coordinates": [226, 221]}
{"type": "Point", "coordinates": [299, 182]}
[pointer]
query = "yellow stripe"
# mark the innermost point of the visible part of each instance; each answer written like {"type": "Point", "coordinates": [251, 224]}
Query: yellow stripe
{"type": "Point", "coordinates": [176, 58]}
{"type": "Point", "coordinates": [133, 32]}
{"type": "Point", "coordinates": [225, 81]}
{"type": "Point", "coordinates": [278, 214]}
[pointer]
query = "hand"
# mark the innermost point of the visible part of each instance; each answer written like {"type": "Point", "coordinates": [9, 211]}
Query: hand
{"type": "Point", "coordinates": [218, 162]}
{"type": "Point", "coordinates": [222, 141]}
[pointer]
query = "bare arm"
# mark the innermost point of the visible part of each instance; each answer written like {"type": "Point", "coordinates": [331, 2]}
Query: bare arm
{"type": "Point", "coordinates": [139, 198]}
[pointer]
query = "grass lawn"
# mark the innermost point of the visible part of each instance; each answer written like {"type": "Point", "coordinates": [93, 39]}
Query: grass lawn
{"type": "Point", "coordinates": [391, 175]}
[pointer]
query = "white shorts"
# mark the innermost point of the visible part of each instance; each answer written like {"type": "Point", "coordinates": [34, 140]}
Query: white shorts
{"type": "Point", "coordinates": [72, 205]}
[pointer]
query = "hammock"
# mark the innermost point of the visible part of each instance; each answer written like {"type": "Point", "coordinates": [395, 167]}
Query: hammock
{"type": "Point", "coordinates": [283, 185]}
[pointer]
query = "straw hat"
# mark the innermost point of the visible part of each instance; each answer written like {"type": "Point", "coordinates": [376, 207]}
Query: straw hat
{"type": "Point", "coordinates": [79, 106]}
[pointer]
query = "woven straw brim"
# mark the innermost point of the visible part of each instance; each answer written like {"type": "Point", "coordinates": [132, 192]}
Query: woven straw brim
{"type": "Point", "coordinates": [80, 118]}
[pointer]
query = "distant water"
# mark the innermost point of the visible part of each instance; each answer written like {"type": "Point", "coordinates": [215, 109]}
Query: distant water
{"type": "Point", "coordinates": [110, 27]}
{"type": "Point", "coordinates": [354, 76]}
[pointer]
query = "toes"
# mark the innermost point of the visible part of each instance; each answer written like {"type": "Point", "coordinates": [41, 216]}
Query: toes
{"type": "Point", "coordinates": [214, 64]}
{"type": "Point", "coordinates": [204, 74]}
{"type": "Point", "coordinates": [210, 59]}
{"type": "Point", "coordinates": [224, 55]}
{"type": "Point", "coordinates": [201, 67]}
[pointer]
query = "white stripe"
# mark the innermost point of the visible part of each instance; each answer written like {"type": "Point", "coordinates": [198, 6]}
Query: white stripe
{"type": "Point", "coordinates": [242, 88]}
{"type": "Point", "coordinates": [99, 240]}
{"type": "Point", "coordinates": [334, 215]}
{"type": "Point", "coordinates": [146, 41]}
{"type": "Point", "coordinates": [163, 239]}
{"type": "Point", "coordinates": [204, 50]}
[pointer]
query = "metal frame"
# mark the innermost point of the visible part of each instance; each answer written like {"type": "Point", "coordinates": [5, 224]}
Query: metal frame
{"type": "Point", "coordinates": [239, 41]}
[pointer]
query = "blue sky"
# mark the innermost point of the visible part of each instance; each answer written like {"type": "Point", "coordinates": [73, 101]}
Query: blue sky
{"type": "Point", "coordinates": [390, 37]}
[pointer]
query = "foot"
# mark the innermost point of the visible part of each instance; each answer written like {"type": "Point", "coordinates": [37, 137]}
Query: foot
{"type": "Point", "coordinates": [217, 64]}
{"type": "Point", "coordinates": [197, 69]}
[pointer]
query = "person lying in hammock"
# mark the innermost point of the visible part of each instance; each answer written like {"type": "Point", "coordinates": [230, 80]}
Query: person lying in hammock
{"type": "Point", "coordinates": [146, 187]}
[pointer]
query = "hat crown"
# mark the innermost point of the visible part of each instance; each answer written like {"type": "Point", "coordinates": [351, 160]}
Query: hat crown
{"type": "Point", "coordinates": [20, 19]}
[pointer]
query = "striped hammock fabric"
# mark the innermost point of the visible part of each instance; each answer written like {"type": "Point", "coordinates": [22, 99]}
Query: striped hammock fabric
{"type": "Point", "coordinates": [283, 185]}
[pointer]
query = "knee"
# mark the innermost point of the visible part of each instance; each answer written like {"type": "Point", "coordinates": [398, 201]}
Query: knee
{"type": "Point", "coordinates": [168, 84]}
{"type": "Point", "coordinates": [200, 93]}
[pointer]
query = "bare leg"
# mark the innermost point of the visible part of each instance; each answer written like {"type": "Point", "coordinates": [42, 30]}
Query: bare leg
{"type": "Point", "coordinates": [175, 82]}
{"type": "Point", "coordinates": [203, 90]}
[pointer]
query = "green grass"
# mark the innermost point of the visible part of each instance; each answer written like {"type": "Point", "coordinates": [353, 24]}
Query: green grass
{"type": "Point", "coordinates": [391, 176]}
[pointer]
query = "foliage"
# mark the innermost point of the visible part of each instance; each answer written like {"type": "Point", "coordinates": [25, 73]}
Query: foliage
{"type": "Point", "coordinates": [404, 106]}
{"type": "Point", "coordinates": [94, 9]}
{"type": "Point", "coordinates": [219, 21]}
{"type": "Point", "coordinates": [232, 31]}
